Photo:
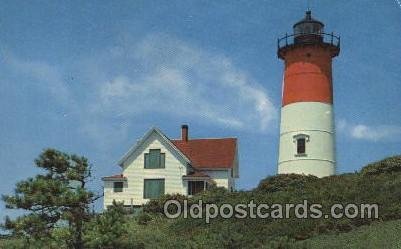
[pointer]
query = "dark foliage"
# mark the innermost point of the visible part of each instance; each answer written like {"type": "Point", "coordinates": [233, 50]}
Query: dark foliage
{"type": "Point", "coordinates": [157, 205]}
{"type": "Point", "coordinates": [378, 183]}
{"type": "Point", "coordinates": [388, 165]}
{"type": "Point", "coordinates": [54, 199]}
{"type": "Point", "coordinates": [285, 182]}
{"type": "Point", "coordinates": [107, 230]}
{"type": "Point", "coordinates": [383, 187]}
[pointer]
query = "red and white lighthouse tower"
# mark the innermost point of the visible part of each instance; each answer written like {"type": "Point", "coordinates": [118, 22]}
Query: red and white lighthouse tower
{"type": "Point", "coordinates": [307, 134]}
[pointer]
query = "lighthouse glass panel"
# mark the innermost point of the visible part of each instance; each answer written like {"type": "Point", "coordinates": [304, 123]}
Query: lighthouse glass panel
{"type": "Point", "coordinates": [308, 28]}
{"type": "Point", "coordinates": [301, 146]}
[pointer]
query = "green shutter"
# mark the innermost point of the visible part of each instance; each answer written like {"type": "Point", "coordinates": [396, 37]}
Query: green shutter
{"type": "Point", "coordinates": [153, 188]}
{"type": "Point", "coordinates": [154, 159]}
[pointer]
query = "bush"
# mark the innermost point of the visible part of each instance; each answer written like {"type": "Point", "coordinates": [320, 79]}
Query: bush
{"type": "Point", "coordinates": [285, 182]}
{"type": "Point", "coordinates": [107, 230]}
{"type": "Point", "coordinates": [377, 183]}
{"type": "Point", "coordinates": [388, 165]}
{"type": "Point", "coordinates": [157, 205]}
{"type": "Point", "coordinates": [144, 218]}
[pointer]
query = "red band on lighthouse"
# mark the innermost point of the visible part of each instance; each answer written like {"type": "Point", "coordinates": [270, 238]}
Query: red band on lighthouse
{"type": "Point", "coordinates": [307, 76]}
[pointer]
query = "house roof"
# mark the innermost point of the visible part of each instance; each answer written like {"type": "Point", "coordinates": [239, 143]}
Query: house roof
{"type": "Point", "coordinates": [197, 175]}
{"type": "Point", "coordinates": [209, 153]}
{"type": "Point", "coordinates": [206, 153]}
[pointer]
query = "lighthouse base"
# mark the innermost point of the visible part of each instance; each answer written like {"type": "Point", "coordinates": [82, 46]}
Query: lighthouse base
{"type": "Point", "coordinates": [307, 144]}
{"type": "Point", "coordinates": [319, 168]}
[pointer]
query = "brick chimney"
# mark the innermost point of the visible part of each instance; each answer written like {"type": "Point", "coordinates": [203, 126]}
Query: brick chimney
{"type": "Point", "coordinates": [184, 133]}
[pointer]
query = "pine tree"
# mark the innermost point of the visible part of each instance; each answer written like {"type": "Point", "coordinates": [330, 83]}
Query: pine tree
{"type": "Point", "coordinates": [109, 229]}
{"type": "Point", "coordinates": [56, 198]}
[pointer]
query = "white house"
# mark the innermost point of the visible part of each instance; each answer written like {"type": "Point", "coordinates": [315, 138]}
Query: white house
{"type": "Point", "coordinates": [157, 165]}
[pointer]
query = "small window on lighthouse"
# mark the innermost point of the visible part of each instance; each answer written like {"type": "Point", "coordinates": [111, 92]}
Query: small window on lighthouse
{"type": "Point", "coordinates": [301, 146]}
{"type": "Point", "coordinates": [300, 142]}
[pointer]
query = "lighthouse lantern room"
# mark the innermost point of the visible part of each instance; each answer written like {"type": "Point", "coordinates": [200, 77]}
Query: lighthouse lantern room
{"type": "Point", "coordinates": [307, 134]}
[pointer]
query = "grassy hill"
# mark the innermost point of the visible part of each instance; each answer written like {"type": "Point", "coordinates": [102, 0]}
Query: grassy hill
{"type": "Point", "coordinates": [377, 235]}
{"type": "Point", "coordinates": [379, 183]}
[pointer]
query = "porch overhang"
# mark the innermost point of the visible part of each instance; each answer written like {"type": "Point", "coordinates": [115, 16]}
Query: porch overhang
{"type": "Point", "coordinates": [115, 178]}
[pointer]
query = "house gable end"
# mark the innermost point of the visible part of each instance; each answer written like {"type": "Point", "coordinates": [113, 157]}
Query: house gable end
{"type": "Point", "coordinates": [143, 144]}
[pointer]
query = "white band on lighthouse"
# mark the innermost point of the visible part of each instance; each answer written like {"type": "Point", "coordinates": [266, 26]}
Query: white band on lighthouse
{"type": "Point", "coordinates": [313, 122]}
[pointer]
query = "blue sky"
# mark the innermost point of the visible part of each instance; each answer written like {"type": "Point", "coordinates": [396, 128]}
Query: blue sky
{"type": "Point", "coordinates": [92, 77]}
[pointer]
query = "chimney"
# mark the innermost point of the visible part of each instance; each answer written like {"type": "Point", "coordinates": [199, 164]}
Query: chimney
{"type": "Point", "coordinates": [184, 133]}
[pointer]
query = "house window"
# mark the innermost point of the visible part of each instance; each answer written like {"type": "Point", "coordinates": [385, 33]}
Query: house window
{"type": "Point", "coordinates": [300, 141]}
{"type": "Point", "coordinates": [154, 159]}
{"type": "Point", "coordinates": [195, 187]}
{"type": "Point", "coordinates": [118, 186]}
{"type": "Point", "coordinates": [153, 188]}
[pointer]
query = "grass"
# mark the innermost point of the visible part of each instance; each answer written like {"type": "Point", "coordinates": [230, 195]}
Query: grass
{"type": "Point", "coordinates": [9, 243]}
{"type": "Point", "coordinates": [377, 235]}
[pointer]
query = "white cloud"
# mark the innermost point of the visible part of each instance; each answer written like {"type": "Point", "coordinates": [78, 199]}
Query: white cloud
{"type": "Point", "coordinates": [115, 89]}
{"type": "Point", "coordinates": [370, 133]}
{"type": "Point", "coordinates": [382, 132]}
{"type": "Point", "coordinates": [45, 76]}
{"type": "Point", "coordinates": [341, 125]}
{"type": "Point", "coordinates": [174, 78]}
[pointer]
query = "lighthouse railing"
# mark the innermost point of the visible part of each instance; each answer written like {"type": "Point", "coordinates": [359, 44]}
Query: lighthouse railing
{"type": "Point", "coordinates": [328, 38]}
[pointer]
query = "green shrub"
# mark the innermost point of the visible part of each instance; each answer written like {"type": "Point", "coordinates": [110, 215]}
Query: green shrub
{"type": "Point", "coordinates": [107, 230]}
{"type": "Point", "coordinates": [377, 183]}
{"type": "Point", "coordinates": [388, 165]}
{"type": "Point", "coordinates": [144, 218]}
{"type": "Point", "coordinates": [285, 182]}
{"type": "Point", "coordinates": [157, 205]}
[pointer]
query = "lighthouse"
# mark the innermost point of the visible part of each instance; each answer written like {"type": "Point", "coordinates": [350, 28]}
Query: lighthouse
{"type": "Point", "coordinates": [307, 132]}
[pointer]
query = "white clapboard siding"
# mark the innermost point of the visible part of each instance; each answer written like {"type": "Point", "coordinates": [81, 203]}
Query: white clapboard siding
{"type": "Point", "coordinates": [134, 171]}
{"type": "Point", "coordinates": [109, 194]}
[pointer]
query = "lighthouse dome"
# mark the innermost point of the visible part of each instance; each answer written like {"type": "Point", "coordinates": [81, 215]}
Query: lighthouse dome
{"type": "Point", "coordinates": [308, 29]}
{"type": "Point", "coordinates": [308, 25]}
